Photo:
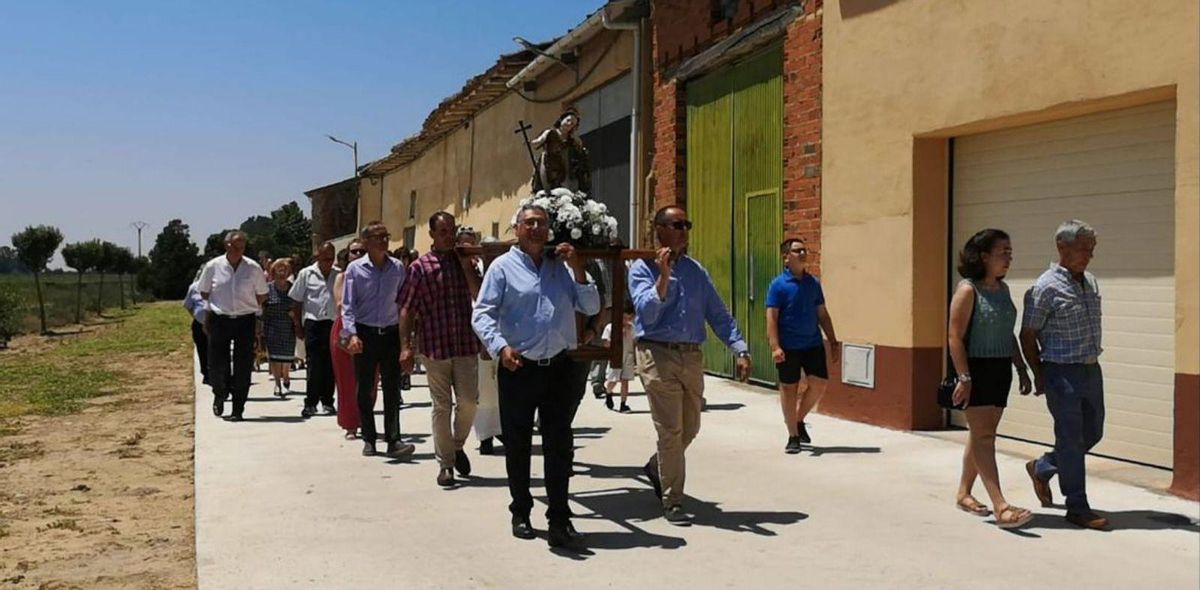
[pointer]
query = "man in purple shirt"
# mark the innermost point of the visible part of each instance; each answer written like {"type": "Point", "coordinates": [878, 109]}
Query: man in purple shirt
{"type": "Point", "coordinates": [370, 322]}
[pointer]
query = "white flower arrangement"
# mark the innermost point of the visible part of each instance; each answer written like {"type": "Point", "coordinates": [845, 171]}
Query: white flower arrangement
{"type": "Point", "coordinates": [575, 218]}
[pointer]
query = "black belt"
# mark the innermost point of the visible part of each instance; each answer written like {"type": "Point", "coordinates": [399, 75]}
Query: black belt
{"type": "Point", "coordinates": [546, 362]}
{"type": "Point", "coordinates": [232, 317]}
{"type": "Point", "coordinates": [682, 346]}
{"type": "Point", "coordinates": [365, 329]}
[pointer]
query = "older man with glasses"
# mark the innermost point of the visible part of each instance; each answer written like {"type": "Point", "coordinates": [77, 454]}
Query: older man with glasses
{"type": "Point", "coordinates": [674, 297]}
{"type": "Point", "coordinates": [525, 316]}
{"type": "Point", "coordinates": [371, 323]}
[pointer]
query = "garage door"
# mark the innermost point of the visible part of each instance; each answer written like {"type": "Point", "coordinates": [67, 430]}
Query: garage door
{"type": "Point", "coordinates": [1114, 170]}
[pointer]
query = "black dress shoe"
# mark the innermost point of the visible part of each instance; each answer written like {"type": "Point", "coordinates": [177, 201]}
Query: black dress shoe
{"type": "Point", "coordinates": [236, 417]}
{"type": "Point", "coordinates": [802, 431]}
{"type": "Point", "coordinates": [651, 471]}
{"type": "Point", "coordinates": [218, 407]}
{"type": "Point", "coordinates": [487, 447]}
{"type": "Point", "coordinates": [521, 529]}
{"type": "Point", "coordinates": [571, 532]}
{"type": "Point", "coordinates": [560, 535]}
{"type": "Point", "coordinates": [462, 463]}
{"type": "Point", "coordinates": [308, 412]}
{"type": "Point", "coordinates": [369, 449]}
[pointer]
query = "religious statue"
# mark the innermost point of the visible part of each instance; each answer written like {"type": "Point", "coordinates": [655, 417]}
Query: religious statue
{"type": "Point", "coordinates": [563, 161]}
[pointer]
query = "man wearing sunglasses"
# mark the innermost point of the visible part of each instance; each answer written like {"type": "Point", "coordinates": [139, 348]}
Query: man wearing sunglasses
{"type": "Point", "coordinates": [674, 297]}
{"type": "Point", "coordinates": [525, 316]}
{"type": "Point", "coordinates": [370, 321]}
{"type": "Point", "coordinates": [796, 314]}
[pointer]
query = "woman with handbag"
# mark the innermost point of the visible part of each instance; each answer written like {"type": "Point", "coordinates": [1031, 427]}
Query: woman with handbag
{"type": "Point", "coordinates": [984, 349]}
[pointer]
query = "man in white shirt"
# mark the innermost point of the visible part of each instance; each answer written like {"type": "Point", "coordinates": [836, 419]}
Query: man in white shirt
{"type": "Point", "coordinates": [313, 290]}
{"type": "Point", "coordinates": [234, 287]}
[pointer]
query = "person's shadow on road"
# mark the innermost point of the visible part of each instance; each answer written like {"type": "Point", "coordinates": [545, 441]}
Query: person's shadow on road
{"type": "Point", "coordinates": [1126, 520]}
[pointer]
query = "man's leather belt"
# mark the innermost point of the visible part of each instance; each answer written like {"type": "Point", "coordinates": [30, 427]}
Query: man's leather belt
{"type": "Point", "coordinates": [681, 346]}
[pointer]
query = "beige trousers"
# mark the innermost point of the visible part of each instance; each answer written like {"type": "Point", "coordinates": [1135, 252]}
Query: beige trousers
{"type": "Point", "coordinates": [674, 382]}
{"type": "Point", "coordinates": [460, 375]}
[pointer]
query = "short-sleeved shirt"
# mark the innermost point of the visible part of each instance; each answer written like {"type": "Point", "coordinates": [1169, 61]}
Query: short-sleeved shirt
{"type": "Point", "coordinates": [232, 291]}
{"type": "Point", "coordinates": [436, 291]}
{"type": "Point", "coordinates": [315, 292]}
{"type": "Point", "coordinates": [1065, 313]}
{"type": "Point", "coordinates": [797, 299]}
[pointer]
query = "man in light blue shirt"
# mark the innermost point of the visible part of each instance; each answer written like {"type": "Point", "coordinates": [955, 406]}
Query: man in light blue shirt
{"type": "Point", "coordinates": [674, 297]}
{"type": "Point", "coordinates": [196, 306]}
{"type": "Point", "coordinates": [525, 316]}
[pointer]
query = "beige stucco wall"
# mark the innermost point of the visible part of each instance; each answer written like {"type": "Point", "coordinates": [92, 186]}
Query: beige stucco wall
{"type": "Point", "coordinates": [501, 172]}
{"type": "Point", "coordinates": [899, 73]}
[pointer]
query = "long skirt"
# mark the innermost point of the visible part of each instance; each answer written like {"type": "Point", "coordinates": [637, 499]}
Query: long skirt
{"type": "Point", "coordinates": [487, 414]}
{"type": "Point", "coordinates": [347, 385]}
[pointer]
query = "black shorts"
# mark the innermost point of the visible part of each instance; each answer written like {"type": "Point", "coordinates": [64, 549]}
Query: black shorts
{"type": "Point", "coordinates": [991, 378]}
{"type": "Point", "coordinates": [809, 360]}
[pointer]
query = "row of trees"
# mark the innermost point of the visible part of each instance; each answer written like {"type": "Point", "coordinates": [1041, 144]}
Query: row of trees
{"type": "Point", "coordinates": [173, 260]}
{"type": "Point", "coordinates": [34, 247]}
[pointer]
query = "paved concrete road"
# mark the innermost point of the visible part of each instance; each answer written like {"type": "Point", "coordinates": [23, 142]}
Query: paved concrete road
{"type": "Point", "coordinates": [287, 503]}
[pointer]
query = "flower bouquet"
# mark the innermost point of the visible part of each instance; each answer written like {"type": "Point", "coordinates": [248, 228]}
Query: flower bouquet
{"type": "Point", "coordinates": [575, 218]}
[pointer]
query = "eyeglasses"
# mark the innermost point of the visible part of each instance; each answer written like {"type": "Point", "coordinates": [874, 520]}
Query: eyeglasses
{"type": "Point", "coordinates": [678, 225]}
{"type": "Point", "coordinates": [800, 252]}
{"type": "Point", "coordinates": [381, 237]}
{"type": "Point", "coordinates": [533, 223]}
{"type": "Point", "coordinates": [358, 251]}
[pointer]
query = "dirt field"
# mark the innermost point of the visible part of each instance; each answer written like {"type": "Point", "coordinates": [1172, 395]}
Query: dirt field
{"type": "Point", "coordinates": [97, 492]}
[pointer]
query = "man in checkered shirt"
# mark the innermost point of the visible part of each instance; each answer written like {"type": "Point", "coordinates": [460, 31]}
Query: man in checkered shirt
{"type": "Point", "coordinates": [440, 289]}
{"type": "Point", "coordinates": [1060, 335]}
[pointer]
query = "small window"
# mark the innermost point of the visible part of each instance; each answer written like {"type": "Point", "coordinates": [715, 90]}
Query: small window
{"type": "Point", "coordinates": [496, 229]}
{"type": "Point", "coordinates": [412, 205]}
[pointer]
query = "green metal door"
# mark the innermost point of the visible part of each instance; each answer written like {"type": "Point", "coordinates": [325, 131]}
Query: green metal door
{"type": "Point", "coordinates": [710, 206]}
{"type": "Point", "coordinates": [735, 154]}
{"type": "Point", "coordinates": [762, 252]}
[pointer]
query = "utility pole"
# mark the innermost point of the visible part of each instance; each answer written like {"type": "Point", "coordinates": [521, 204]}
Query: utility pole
{"type": "Point", "coordinates": [139, 226]}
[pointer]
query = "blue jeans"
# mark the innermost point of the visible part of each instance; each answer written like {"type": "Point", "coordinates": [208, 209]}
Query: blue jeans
{"type": "Point", "coordinates": [1075, 398]}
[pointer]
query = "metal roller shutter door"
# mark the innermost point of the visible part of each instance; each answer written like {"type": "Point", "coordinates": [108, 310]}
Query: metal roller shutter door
{"type": "Point", "coordinates": [1114, 170]}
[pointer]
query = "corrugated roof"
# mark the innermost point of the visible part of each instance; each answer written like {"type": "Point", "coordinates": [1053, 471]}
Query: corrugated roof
{"type": "Point", "coordinates": [476, 94]}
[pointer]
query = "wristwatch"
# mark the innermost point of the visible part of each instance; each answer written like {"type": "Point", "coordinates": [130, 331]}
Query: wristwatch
{"type": "Point", "coordinates": [964, 378]}
{"type": "Point", "coordinates": [745, 354]}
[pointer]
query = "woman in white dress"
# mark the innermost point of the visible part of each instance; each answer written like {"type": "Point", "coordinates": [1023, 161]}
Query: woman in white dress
{"type": "Point", "coordinates": [487, 414]}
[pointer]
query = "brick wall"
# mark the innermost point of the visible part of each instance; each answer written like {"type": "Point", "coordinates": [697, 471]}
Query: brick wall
{"type": "Point", "coordinates": [682, 28]}
{"type": "Point", "coordinates": [802, 133]}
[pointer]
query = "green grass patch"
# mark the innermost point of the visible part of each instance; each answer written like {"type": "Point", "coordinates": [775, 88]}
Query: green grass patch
{"type": "Point", "coordinates": [61, 290]}
{"type": "Point", "coordinates": [60, 380]}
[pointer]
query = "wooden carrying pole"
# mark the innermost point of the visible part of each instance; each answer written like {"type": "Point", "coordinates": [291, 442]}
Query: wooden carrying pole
{"type": "Point", "coordinates": [616, 258]}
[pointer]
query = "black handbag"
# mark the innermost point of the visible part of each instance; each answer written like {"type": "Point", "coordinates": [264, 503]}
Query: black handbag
{"type": "Point", "coordinates": [945, 391]}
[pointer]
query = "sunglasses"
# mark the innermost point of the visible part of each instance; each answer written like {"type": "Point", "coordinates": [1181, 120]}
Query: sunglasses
{"type": "Point", "coordinates": [800, 251]}
{"type": "Point", "coordinates": [380, 237]}
{"type": "Point", "coordinates": [678, 225]}
{"type": "Point", "coordinates": [358, 251]}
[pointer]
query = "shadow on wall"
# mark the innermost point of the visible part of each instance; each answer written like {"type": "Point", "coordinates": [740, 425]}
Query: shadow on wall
{"type": "Point", "coordinates": [853, 8]}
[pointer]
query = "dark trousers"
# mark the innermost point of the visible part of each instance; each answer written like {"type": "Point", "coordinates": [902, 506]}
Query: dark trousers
{"type": "Point", "coordinates": [381, 352]}
{"type": "Point", "coordinates": [1075, 398]}
{"type": "Point", "coordinates": [550, 391]}
{"type": "Point", "coordinates": [200, 339]}
{"type": "Point", "coordinates": [238, 331]}
{"type": "Point", "coordinates": [319, 386]}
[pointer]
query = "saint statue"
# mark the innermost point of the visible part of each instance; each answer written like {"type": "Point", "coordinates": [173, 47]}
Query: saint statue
{"type": "Point", "coordinates": [563, 161]}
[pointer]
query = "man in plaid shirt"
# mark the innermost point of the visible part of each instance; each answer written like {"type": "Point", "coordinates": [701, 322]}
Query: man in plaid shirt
{"type": "Point", "coordinates": [1060, 335]}
{"type": "Point", "coordinates": [440, 290]}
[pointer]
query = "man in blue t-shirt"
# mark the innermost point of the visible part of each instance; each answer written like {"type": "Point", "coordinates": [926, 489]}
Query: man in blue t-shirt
{"type": "Point", "coordinates": [796, 315]}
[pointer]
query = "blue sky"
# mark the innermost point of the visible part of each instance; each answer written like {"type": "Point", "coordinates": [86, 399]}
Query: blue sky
{"type": "Point", "coordinates": [112, 112]}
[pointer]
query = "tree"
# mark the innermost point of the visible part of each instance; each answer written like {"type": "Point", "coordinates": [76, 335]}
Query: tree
{"type": "Point", "coordinates": [292, 233]}
{"type": "Point", "coordinates": [107, 263]}
{"type": "Point", "coordinates": [173, 261]}
{"type": "Point", "coordinates": [35, 247]}
{"type": "Point", "coordinates": [122, 264]}
{"type": "Point", "coordinates": [10, 263]}
{"type": "Point", "coordinates": [83, 257]}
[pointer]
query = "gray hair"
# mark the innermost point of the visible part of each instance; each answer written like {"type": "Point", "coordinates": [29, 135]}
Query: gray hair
{"type": "Point", "coordinates": [1072, 230]}
{"type": "Point", "coordinates": [235, 234]}
{"type": "Point", "coordinates": [520, 214]}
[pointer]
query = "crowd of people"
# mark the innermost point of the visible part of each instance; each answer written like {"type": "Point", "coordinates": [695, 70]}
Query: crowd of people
{"type": "Point", "coordinates": [494, 343]}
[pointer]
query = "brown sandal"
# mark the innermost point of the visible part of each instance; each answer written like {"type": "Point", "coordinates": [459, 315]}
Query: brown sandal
{"type": "Point", "coordinates": [1013, 517]}
{"type": "Point", "coordinates": [970, 505]}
